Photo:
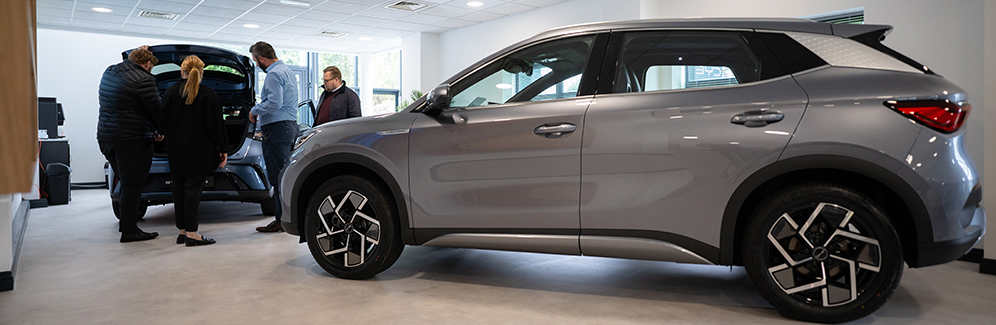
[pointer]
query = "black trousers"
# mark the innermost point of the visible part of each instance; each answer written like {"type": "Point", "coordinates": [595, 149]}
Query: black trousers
{"type": "Point", "coordinates": [130, 160]}
{"type": "Point", "coordinates": [186, 200]}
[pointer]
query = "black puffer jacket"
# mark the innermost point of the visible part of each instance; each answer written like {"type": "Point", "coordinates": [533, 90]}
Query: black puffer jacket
{"type": "Point", "coordinates": [130, 105]}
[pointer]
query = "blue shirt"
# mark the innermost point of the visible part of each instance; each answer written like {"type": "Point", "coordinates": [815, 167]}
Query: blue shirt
{"type": "Point", "coordinates": [279, 95]}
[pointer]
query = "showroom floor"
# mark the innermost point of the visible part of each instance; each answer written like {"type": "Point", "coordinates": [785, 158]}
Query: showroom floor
{"type": "Point", "coordinates": [73, 270]}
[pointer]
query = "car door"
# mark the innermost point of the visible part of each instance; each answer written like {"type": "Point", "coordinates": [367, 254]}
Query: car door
{"type": "Point", "coordinates": [689, 115]}
{"type": "Point", "coordinates": [505, 156]}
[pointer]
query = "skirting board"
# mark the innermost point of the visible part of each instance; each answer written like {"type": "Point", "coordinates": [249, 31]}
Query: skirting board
{"type": "Point", "coordinates": [987, 266]}
{"type": "Point", "coordinates": [19, 224]}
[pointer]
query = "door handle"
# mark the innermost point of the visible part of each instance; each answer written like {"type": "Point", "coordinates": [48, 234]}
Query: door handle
{"type": "Point", "coordinates": [753, 119]}
{"type": "Point", "coordinates": [555, 131]}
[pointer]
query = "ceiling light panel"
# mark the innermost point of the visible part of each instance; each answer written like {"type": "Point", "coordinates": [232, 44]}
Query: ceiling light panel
{"type": "Point", "coordinates": [410, 6]}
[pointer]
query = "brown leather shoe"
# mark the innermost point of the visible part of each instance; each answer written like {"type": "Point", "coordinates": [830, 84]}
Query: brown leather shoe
{"type": "Point", "coordinates": [273, 226]}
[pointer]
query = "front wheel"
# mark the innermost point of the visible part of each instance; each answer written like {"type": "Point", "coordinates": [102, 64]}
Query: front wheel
{"type": "Point", "coordinates": [822, 253]}
{"type": "Point", "coordinates": [351, 228]}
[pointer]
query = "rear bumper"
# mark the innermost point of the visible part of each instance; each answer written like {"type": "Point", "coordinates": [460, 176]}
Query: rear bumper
{"type": "Point", "coordinates": [949, 250]}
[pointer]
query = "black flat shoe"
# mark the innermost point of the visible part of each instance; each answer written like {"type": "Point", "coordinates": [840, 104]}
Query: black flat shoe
{"type": "Point", "coordinates": [202, 242]}
{"type": "Point", "coordinates": [181, 239]}
{"type": "Point", "coordinates": [138, 236]}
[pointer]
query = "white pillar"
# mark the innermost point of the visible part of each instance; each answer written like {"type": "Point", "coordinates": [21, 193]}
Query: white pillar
{"type": "Point", "coordinates": [989, 127]}
{"type": "Point", "coordinates": [366, 83]}
{"type": "Point", "coordinates": [419, 63]}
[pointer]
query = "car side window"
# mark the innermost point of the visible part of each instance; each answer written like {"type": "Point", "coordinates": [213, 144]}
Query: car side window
{"type": "Point", "coordinates": [669, 60]}
{"type": "Point", "coordinates": [546, 71]}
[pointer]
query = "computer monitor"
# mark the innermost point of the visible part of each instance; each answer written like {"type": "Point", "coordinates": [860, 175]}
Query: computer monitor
{"type": "Point", "coordinates": [48, 116]}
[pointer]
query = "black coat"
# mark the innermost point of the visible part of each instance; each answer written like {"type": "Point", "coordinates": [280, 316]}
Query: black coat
{"type": "Point", "coordinates": [195, 134]}
{"type": "Point", "coordinates": [129, 103]}
{"type": "Point", "coordinates": [345, 104]}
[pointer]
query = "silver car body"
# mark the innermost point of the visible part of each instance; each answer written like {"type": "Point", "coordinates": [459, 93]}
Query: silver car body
{"type": "Point", "coordinates": [661, 175]}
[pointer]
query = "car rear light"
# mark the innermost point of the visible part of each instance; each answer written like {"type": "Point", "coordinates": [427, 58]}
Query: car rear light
{"type": "Point", "coordinates": [940, 115]}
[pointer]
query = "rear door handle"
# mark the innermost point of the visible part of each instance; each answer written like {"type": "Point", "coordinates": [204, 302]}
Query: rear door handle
{"type": "Point", "coordinates": [555, 131]}
{"type": "Point", "coordinates": [753, 119]}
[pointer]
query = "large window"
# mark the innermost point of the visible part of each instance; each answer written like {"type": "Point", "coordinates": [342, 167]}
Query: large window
{"type": "Point", "coordinates": [386, 74]}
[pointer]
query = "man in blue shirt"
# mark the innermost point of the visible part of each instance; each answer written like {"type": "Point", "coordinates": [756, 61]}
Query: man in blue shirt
{"type": "Point", "coordinates": [277, 115]}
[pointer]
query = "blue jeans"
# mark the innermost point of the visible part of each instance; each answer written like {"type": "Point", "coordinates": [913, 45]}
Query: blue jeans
{"type": "Point", "coordinates": [278, 139]}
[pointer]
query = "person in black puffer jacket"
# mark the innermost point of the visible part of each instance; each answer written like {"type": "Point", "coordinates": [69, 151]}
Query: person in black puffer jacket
{"type": "Point", "coordinates": [130, 108]}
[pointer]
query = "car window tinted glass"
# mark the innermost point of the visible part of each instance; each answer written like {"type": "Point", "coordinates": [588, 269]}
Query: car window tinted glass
{"type": "Point", "coordinates": [545, 71]}
{"type": "Point", "coordinates": [671, 60]}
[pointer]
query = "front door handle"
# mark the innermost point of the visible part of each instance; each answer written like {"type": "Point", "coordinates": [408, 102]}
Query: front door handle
{"type": "Point", "coordinates": [555, 131]}
{"type": "Point", "coordinates": [753, 119]}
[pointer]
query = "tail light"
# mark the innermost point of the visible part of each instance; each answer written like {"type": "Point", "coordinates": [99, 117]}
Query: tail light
{"type": "Point", "coordinates": [940, 115]}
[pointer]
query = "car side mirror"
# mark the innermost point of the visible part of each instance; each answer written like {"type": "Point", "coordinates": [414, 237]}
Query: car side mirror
{"type": "Point", "coordinates": [438, 99]}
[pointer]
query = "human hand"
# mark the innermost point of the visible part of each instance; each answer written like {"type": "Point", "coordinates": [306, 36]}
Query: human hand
{"type": "Point", "coordinates": [158, 137]}
{"type": "Point", "coordinates": [252, 118]}
{"type": "Point", "coordinates": [224, 160]}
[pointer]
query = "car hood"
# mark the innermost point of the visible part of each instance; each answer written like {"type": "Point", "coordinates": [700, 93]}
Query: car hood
{"type": "Point", "coordinates": [230, 74]}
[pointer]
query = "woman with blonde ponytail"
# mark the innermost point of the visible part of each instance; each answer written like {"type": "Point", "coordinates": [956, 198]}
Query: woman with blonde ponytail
{"type": "Point", "coordinates": [196, 144]}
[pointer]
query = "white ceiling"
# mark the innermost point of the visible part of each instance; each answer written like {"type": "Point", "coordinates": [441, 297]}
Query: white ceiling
{"type": "Point", "coordinates": [283, 25]}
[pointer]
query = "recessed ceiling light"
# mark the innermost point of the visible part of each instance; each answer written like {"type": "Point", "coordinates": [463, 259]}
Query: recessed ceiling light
{"type": "Point", "coordinates": [364, 38]}
{"type": "Point", "coordinates": [475, 3]}
{"type": "Point", "coordinates": [503, 86]}
{"type": "Point", "coordinates": [250, 26]}
{"type": "Point", "coordinates": [101, 9]}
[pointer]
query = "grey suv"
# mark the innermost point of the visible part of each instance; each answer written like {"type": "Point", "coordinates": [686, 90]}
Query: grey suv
{"type": "Point", "coordinates": [811, 154]}
{"type": "Point", "coordinates": [232, 76]}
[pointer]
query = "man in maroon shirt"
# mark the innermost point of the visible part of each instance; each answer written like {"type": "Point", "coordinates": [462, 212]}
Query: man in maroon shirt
{"type": "Point", "coordinates": [337, 101]}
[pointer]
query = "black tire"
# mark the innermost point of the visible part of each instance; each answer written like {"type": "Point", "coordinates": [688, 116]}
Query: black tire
{"type": "Point", "coordinates": [365, 239]}
{"type": "Point", "coordinates": [142, 208]}
{"type": "Point", "coordinates": [268, 207]}
{"type": "Point", "coordinates": [838, 265]}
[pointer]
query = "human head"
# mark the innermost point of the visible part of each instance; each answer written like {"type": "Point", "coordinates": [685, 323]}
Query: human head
{"type": "Point", "coordinates": [143, 57]}
{"type": "Point", "coordinates": [193, 69]}
{"type": "Point", "coordinates": [263, 54]}
{"type": "Point", "coordinates": [332, 78]}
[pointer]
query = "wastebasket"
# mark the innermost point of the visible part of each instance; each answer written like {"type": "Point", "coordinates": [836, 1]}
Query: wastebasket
{"type": "Point", "coordinates": [58, 183]}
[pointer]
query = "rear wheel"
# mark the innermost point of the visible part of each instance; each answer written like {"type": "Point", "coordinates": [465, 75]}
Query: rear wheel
{"type": "Point", "coordinates": [142, 208]}
{"type": "Point", "coordinates": [351, 228]}
{"type": "Point", "coordinates": [822, 253]}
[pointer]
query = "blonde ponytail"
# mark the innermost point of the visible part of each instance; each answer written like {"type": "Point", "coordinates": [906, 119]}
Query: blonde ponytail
{"type": "Point", "coordinates": [193, 67]}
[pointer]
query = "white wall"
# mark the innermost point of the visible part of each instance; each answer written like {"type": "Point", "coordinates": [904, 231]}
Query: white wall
{"type": "Point", "coordinates": [70, 65]}
{"type": "Point", "coordinates": [419, 63]}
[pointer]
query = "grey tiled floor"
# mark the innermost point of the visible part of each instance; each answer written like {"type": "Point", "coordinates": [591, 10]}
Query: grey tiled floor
{"type": "Point", "coordinates": [73, 271]}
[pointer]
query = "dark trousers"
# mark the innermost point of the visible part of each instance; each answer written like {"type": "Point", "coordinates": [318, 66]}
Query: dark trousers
{"type": "Point", "coordinates": [186, 200]}
{"type": "Point", "coordinates": [278, 139]}
{"type": "Point", "coordinates": [130, 160]}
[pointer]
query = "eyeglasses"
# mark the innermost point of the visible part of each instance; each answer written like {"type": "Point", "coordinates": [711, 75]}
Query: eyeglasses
{"type": "Point", "coordinates": [327, 80]}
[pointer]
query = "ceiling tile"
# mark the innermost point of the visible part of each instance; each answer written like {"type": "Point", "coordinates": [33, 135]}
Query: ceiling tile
{"type": "Point", "coordinates": [51, 21]}
{"type": "Point", "coordinates": [293, 29]}
{"type": "Point", "coordinates": [259, 17]}
{"type": "Point", "coordinates": [96, 16]}
{"type": "Point", "coordinates": [410, 26]}
{"type": "Point", "coordinates": [167, 7]}
{"type": "Point", "coordinates": [142, 21]}
{"type": "Point", "coordinates": [64, 4]}
{"type": "Point", "coordinates": [383, 13]}
{"type": "Point", "coordinates": [56, 13]}
{"type": "Point", "coordinates": [421, 18]}
{"type": "Point", "coordinates": [456, 23]}
{"type": "Point", "coordinates": [447, 11]}
{"type": "Point", "coordinates": [241, 5]}
{"type": "Point", "coordinates": [537, 3]}
{"type": "Point", "coordinates": [341, 8]}
{"type": "Point", "coordinates": [365, 21]}
{"type": "Point", "coordinates": [99, 25]}
{"type": "Point", "coordinates": [204, 21]}
{"type": "Point", "coordinates": [509, 8]}
{"type": "Point", "coordinates": [374, 3]}
{"type": "Point", "coordinates": [316, 16]}
{"type": "Point", "coordinates": [276, 8]}
{"type": "Point", "coordinates": [220, 13]}
{"type": "Point", "coordinates": [344, 28]}
{"type": "Point", "coordinates": [481, 16]}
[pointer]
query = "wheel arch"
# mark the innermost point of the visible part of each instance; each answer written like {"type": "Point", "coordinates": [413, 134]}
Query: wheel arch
{"type": "Point", "coordinates": [327, 167]}
{"type": "Point", "coordinates": [903, 206]}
